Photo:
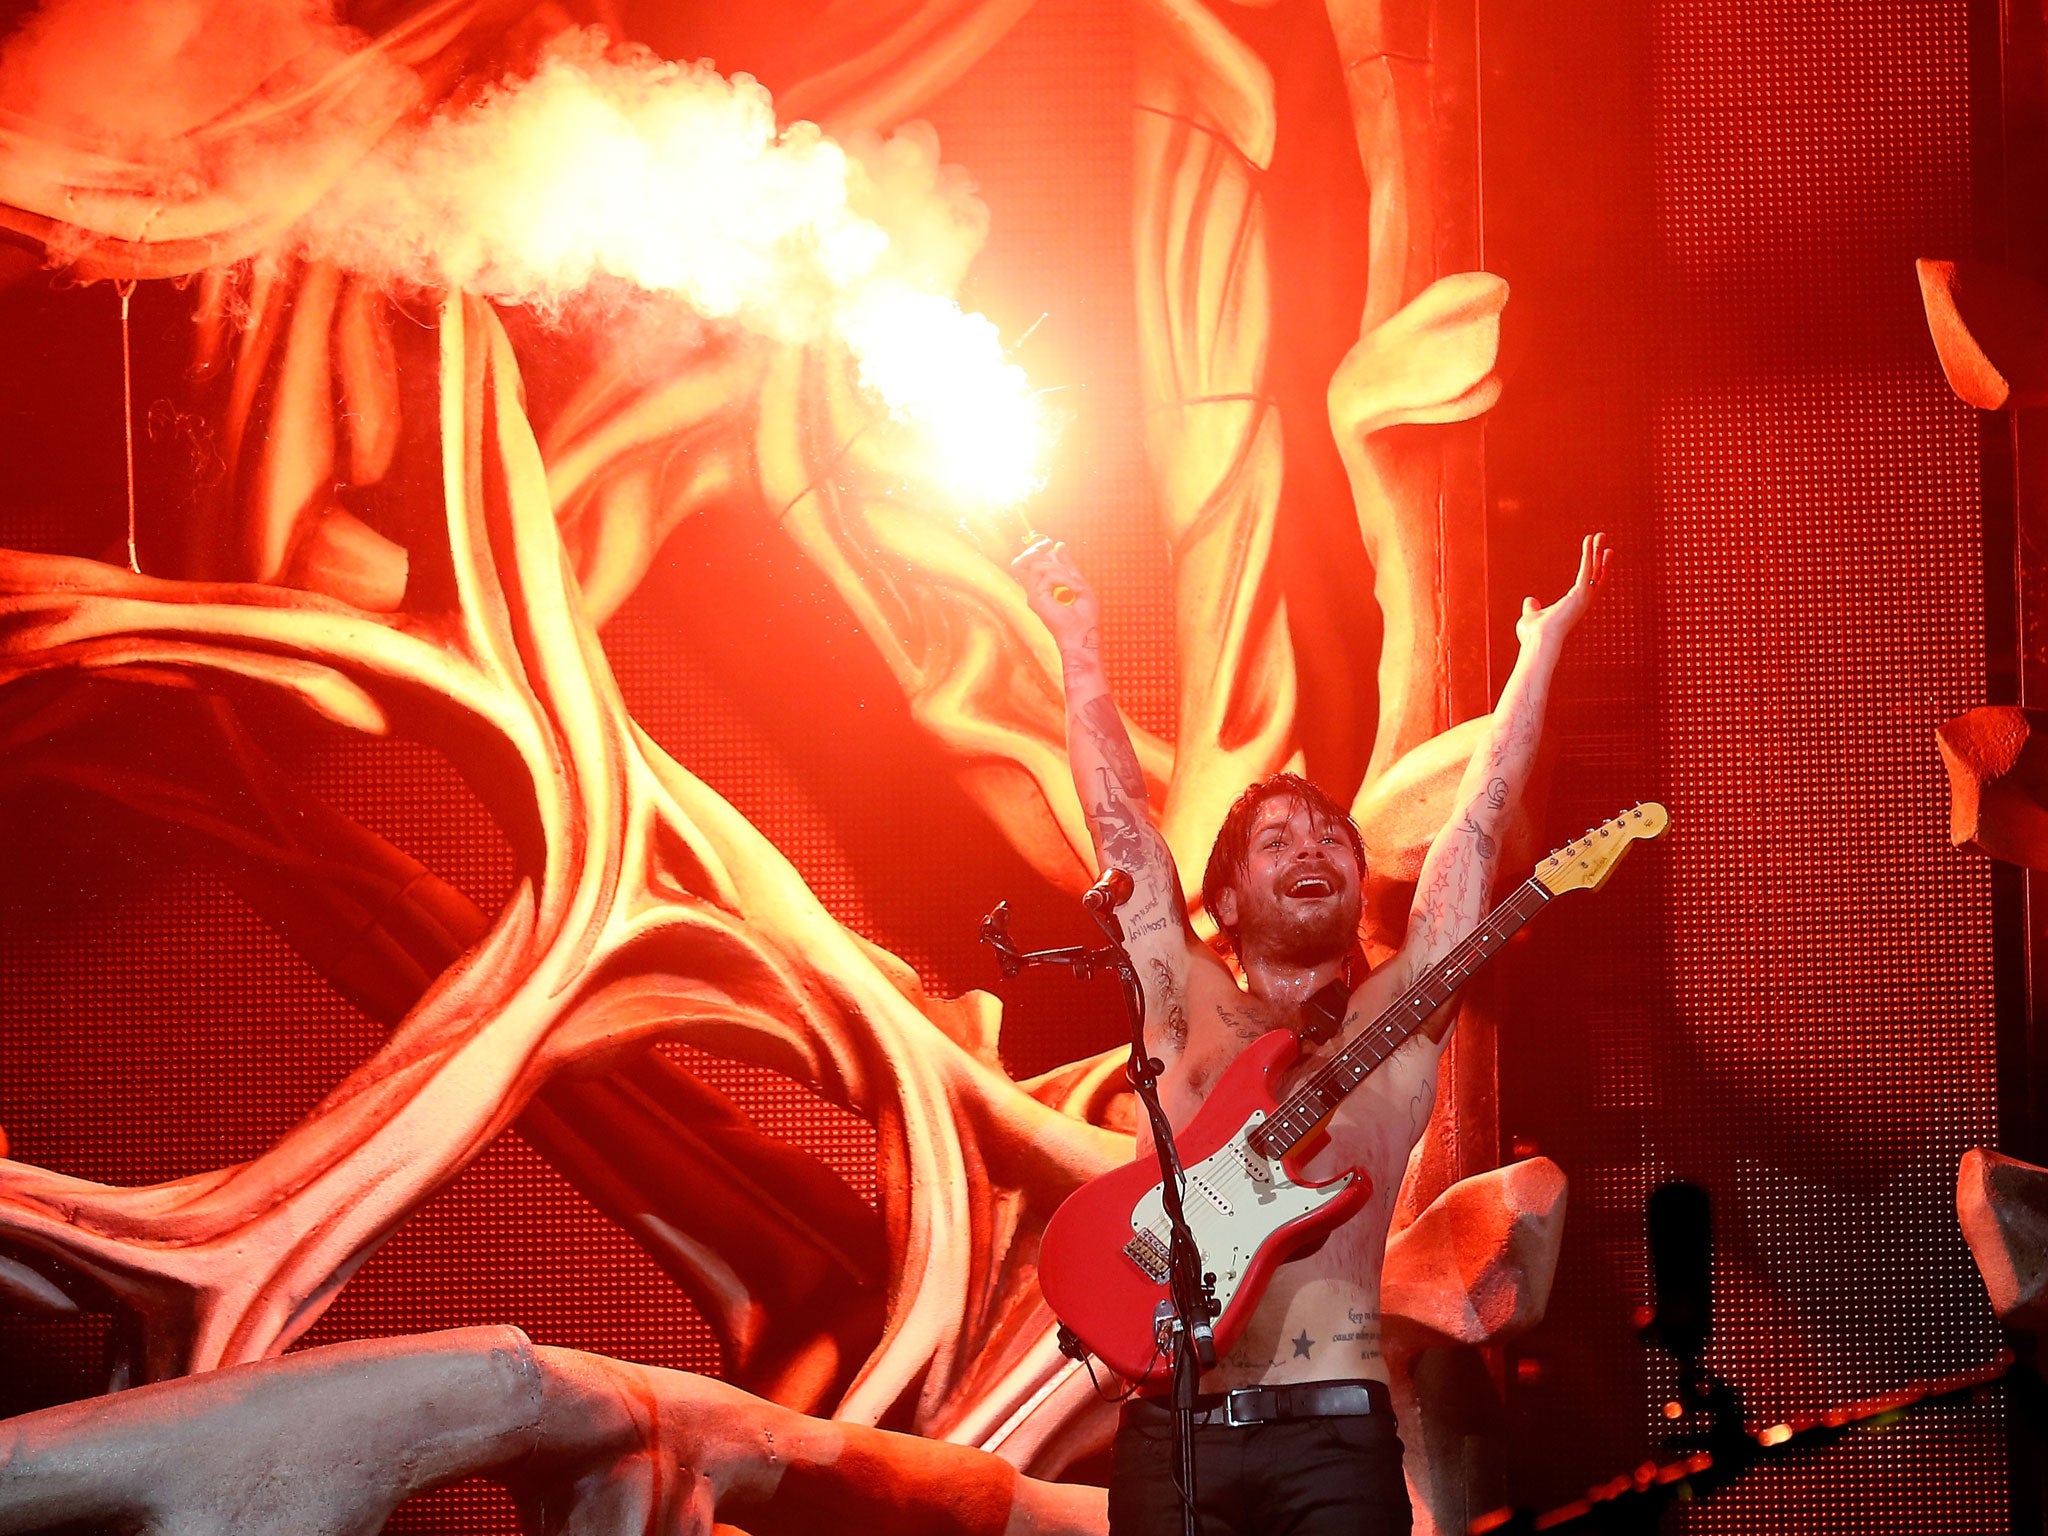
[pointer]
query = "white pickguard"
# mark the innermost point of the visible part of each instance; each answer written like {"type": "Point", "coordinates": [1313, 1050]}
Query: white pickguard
{"type": "Point", "coordinates": [1234, 1201]}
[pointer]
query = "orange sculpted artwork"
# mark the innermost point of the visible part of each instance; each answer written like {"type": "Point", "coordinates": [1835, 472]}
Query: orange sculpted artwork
{"type": "Point", "coordinates": [314, 180]}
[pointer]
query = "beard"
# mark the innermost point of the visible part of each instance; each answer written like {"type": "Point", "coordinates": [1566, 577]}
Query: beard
{"type": "Point", "coordinates": [1296, 932]}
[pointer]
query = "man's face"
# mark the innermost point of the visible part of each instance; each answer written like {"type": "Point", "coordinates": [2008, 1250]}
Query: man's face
{"type": "Point", "coordinates": [1297, 901]}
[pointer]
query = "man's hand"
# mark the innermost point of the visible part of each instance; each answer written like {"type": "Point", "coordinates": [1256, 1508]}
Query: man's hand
{"type": "Point", "coordinates": [1550, 625]}
{"type": "Point", "coordinates": [1059, 595]}
{"type": "Point", "coordinates": [1457, 877]}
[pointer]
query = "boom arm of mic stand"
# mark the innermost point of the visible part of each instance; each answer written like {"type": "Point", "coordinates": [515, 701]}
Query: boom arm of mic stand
{"type": "Point", "coordinates": [1010, 960]}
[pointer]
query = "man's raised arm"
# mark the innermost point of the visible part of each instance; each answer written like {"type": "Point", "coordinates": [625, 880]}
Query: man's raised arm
{"type": "Point", "coordinates": [1457, 877]}
{"type": "Point", "coordinates": [1108, 778]}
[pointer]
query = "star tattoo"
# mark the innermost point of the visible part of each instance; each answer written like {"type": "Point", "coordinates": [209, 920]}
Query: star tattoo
{"type": "Point", "coordinates": [1303, 1344]}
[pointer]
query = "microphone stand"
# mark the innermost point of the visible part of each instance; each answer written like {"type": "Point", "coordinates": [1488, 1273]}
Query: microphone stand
{"type": "Point", "coordinates": [1185, 1317]}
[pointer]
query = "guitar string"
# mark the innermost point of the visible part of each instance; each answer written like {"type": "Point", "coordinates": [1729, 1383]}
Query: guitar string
{"type": "Point", "coordinates": [1236, 1178]}
{"type": "Point", "coordinates": [1309, 1097]}
{"type": "Point", "coordinates": [1475, 942]}
{"type": "Point", "coordinates": [1237, 1173]}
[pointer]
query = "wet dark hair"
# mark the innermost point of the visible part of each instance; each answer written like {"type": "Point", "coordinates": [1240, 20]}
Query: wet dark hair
{"type": "Point", "coordinates": [1231, 855]}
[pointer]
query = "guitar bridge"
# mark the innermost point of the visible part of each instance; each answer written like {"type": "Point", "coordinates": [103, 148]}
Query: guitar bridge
{"type": "Point", "coordinates": [1149, 1254]}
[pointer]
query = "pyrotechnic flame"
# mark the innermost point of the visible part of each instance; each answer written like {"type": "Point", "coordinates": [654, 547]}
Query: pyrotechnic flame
{"type": "Point", "coordinates": [677, 180]}
{"type": "Point", "coordinates": [945, 373]}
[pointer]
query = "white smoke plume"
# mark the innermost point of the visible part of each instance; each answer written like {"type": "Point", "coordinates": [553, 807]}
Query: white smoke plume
{"type": "Point", "coordinates": [604, 165]}
{"type": "Point", "coordinates": [614, 163]}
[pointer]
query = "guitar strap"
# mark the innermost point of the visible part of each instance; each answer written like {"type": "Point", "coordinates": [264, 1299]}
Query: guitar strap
{"type": "Point", "coordinates": [1322, 1016]}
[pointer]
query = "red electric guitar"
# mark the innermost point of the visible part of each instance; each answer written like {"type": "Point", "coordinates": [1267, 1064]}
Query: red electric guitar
{"type": "Point", "coordinates": [1102, 1264]}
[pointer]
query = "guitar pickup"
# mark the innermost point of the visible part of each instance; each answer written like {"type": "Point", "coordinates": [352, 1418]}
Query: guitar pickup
{"type": "Point", "coordinates": [1149, 1254]}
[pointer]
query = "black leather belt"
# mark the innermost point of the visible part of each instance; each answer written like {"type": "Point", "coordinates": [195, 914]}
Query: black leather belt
{"type": "Point", "coordinates": [1274, 1405]}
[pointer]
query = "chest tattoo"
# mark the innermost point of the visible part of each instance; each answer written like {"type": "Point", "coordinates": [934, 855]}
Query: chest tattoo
{"type": "Point", "coordinates": [1245, 1022]}
{"type": "Point", "coordinates": [1365, 1332]}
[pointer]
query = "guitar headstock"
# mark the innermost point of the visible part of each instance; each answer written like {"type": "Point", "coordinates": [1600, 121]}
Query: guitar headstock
{"type": "Point", "coordinates": [1584, 863]}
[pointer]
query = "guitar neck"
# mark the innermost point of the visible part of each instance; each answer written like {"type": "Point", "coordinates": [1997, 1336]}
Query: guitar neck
{"type": "Point", "coordinates": [1312, 1103]}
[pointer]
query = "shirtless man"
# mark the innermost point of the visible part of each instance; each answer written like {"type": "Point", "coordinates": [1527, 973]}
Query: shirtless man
{"type": "Point", "coordinates": [1284, 884]}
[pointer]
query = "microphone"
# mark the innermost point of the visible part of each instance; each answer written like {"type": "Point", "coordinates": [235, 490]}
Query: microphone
{"type": "Point", "coordinates": [1108, 893]}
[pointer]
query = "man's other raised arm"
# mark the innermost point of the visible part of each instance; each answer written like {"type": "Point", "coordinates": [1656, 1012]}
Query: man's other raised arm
{"type": "Point", "coordinates": [1457, 877]}
{"type": "Point", "coordinates": [1107, 775]}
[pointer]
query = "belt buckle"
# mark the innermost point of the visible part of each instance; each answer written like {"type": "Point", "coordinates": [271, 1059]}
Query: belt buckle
{"type": "Point", "coordinates": [1230, 1406]}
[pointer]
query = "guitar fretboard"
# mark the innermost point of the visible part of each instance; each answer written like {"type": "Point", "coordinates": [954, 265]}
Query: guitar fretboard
{"type": "Point", "coordinates": [1311, 1104]}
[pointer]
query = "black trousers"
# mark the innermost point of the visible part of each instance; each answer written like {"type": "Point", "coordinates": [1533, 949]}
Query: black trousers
{"type": "Point", "coordinates": [1307, 1477]}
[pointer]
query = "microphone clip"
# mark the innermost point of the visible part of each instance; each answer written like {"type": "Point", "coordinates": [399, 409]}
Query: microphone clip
{"type": "Point", "coordinates": [1108, 893]}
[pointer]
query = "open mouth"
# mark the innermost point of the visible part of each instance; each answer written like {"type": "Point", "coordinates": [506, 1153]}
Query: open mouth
{"type": "Point", "coordinates": [1311, 888]}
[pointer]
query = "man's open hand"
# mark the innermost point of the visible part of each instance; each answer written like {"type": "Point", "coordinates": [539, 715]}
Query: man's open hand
{"type": "Point", "coordinates": [1550, 625]}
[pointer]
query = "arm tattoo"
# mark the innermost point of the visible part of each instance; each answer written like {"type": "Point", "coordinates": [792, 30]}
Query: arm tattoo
{"type": "Point", "coordinates": [1497, 793]}
{"type": "Point", "coordinates": [1169, 997]}
{"type": "Point", "coordinates": [1106, 727]}
{"type": "Point", "coordinates": [1124, 843]}
{"type": "Point", "coordinates": [1442, 898]}
{"type": "Point", "coordinates": [1128, 841]}
{"type": "Point", "coordinates": [1419, 1105]}
{"type": "Point", "coordinates": [1485, 843]}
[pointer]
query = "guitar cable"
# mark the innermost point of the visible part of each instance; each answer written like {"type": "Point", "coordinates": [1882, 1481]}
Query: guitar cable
{"type": "Point", "coordinates": [1079, 1351]}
